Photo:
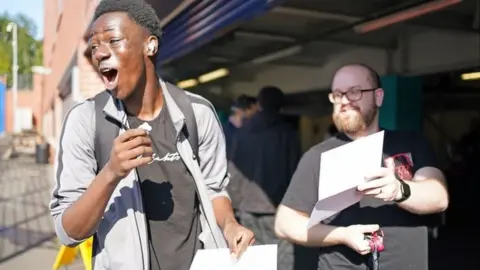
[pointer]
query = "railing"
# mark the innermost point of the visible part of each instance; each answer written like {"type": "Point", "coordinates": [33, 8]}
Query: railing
{"type": "Point", "coordinates": [25, 81]}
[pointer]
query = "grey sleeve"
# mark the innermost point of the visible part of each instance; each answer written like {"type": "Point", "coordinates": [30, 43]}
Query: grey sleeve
{"type": "Point", "coordinates": [302, 193]}
{"type": "Point", "coordinates": [75, 165]}
{"type": "Point", "coordinates": [212, 150]}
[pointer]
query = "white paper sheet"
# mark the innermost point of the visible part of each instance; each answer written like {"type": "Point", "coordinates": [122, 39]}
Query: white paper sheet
{"type": "Point", "coordinates": [341, 170]}
{"type": "Point", "coordinates": [260, 257]}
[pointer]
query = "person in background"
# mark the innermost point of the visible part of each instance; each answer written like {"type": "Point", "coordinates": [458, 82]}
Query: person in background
{"type": "Point", "coordinates": [242, 109]}
{"type": "Point", "coordinates": [262, 158]}
{"type": "Point", "coordinates": [398, 196]}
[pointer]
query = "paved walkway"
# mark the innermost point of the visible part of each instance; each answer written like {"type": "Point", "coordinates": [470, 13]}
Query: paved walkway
{"type": "Point", "coordinates": [27, 238]}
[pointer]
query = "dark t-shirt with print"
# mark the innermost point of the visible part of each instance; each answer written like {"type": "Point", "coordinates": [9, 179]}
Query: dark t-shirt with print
{"type": "Point", "coordinates": [169, 198]}
{"type": "Point", "coordinates": [406, 234]}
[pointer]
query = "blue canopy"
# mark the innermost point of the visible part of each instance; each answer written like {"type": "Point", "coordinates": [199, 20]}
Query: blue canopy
{"type": "Point", "coordinates": [204, 20]}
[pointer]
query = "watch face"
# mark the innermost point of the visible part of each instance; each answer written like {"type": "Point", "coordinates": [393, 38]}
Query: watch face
{"type": "Point", "coordinates": [405, 190]}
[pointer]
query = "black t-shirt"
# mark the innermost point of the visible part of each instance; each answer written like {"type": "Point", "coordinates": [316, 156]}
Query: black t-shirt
{"type": "Point", "coordinates": [170, 200]}
{"type": "Point", "coordinates": [406, 234]}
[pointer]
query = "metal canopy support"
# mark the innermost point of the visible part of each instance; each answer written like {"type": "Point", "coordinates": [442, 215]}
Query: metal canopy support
{"type": "Point", "coordinates": [203, 21]}
{"type": "Point", "coordinates": [208, 19]}
{"type": "Point", "coordinates": [316, 14]}
{"type": "Point", "coordinates": [260, 36]}
{"type": "Point", "coordinates": [179, 9]}
{"type": "Point", "coordinates": [351, 21]}
{"type": "Point", "coordinates": [436, 21]}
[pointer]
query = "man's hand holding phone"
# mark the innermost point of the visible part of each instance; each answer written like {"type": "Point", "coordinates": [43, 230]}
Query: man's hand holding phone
{"type": "Point", "coordinates": [130, 150]}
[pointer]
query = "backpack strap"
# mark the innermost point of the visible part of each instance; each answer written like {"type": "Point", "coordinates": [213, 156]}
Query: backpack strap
{"type": "Point", "coordinates": [185, 105]}
{"type": "Point", "coordinates": [104, 136]}
{"type": "Point", "coordinates": [184, 102]}
{"type": "Point", "coordinates": [106, 130]}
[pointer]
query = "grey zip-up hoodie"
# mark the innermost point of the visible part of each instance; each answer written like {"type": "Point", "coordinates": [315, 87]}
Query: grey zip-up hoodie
{"type": "Point", "coordinates": [121, 236]}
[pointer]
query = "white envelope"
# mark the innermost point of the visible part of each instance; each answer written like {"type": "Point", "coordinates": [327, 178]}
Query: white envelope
{"type": "Point", "coordinates": [341, 170]}
{"type": "Point", "coordinates": [260, 257]}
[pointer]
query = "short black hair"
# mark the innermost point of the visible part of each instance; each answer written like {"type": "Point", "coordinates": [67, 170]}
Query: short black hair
{"type": "Point", "coordinates": [244, 102]}
{"type": "Point", "coordinates": [139, 11]}
{"type": "Point", "coordinates": [271, 98]}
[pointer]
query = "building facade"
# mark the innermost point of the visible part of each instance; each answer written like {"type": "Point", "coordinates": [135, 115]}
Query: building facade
{"type": "Point", "coordinates": [72, 78]}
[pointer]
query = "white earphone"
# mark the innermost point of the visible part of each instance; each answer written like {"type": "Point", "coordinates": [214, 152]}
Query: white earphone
{"type": "Point", "coordinates": [151, 47]}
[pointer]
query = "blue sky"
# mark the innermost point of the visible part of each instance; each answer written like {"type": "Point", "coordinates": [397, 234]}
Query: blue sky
{"type": "Point", "coordinates": [32, 8]}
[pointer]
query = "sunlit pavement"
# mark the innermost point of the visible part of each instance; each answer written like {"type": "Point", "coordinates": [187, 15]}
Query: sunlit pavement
{"type": "Point", "coordinates": [27, 239]}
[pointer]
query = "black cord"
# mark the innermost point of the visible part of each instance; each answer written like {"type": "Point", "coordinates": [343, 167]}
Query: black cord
{"type": "Point", "coordinates": [373, 261]}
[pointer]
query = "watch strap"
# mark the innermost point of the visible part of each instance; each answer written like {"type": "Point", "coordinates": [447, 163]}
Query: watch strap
{"type": "Point", "coordinates": [402, 189]}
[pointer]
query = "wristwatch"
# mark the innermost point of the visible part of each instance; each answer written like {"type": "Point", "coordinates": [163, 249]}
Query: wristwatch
{"type": "Point", "coordinates": [404, 189]}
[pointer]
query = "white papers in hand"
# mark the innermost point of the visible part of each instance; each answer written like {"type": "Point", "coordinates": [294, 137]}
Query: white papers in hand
{"type": "Point", "coordinates": [341, 170]}
{"type": "Point", "coordinates": [261, 257]}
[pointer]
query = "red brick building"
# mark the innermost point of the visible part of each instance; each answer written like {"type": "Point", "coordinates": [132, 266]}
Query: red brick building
{"type": "Point", "coordinates": [27, 102]}
{"type": "Point", "coordinates": [72, 78]}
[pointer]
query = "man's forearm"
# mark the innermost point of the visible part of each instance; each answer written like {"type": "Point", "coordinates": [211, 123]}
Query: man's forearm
{"type": "Point", "coordinates": [222, 206]}
{"type": "Point", "coordinates": [321, 235]}
{"type": "Point", "coordinates": [428, 196]}
{"type": "Point", "coordinates": [80, 220]}
{"type": "Point", "coordinates": [294, 228]}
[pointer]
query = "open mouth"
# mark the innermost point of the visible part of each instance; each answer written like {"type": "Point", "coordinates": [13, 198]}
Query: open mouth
{"type": "Point", "coordinates": [110, 77]}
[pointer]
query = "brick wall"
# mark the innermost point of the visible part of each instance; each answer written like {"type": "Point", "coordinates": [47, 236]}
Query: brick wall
{"type": "Point", "coordinates": [90, 81]}
{"type": "Point", "coordinates": [64, 33]}
{"type": "Point", "coordinates": [26, 98]}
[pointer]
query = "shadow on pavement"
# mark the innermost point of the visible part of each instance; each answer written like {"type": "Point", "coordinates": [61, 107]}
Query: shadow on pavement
{"type": "Point", "coordinates": [25, 222]}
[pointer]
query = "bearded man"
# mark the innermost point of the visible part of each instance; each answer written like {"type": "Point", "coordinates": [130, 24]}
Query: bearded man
{"type": "Point", "coordinates": [397, 197]}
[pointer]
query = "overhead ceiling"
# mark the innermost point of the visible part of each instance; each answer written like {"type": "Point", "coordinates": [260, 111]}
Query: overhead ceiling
{"type": "Point", "coordinates": [307, 32]}
{"type": "Point", "coordinates": [164, 8]}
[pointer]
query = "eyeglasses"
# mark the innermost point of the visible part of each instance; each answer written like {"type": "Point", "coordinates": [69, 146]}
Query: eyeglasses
{"type": "Point", "coordinates": [352, 95]}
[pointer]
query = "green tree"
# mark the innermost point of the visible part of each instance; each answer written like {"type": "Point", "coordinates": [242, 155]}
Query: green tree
{"type": "Point", "coordinates": [30, 52]}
